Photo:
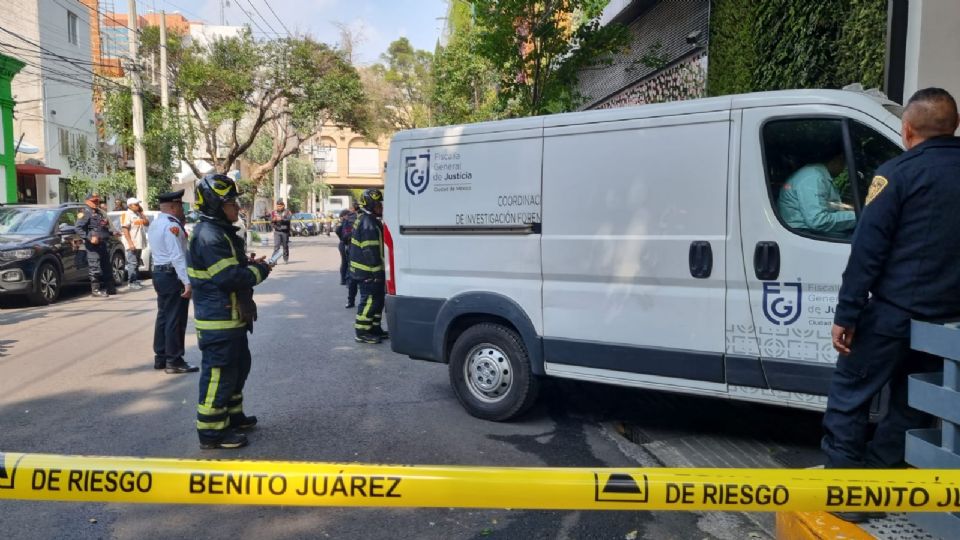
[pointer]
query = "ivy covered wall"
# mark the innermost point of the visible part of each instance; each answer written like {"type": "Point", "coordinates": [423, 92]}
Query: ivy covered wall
{"type": "Point", "coordinates": [760, 45]}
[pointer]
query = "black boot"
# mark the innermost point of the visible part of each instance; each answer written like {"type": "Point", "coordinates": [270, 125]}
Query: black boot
{"type": "Point", "coordinates": [367, 337]}
{"type": "Point", "coordinates": [229, 441]}
{"type": "Point", "coordinates": [242, 422]}
{"type": "Point", "coordinates": [380, 332]}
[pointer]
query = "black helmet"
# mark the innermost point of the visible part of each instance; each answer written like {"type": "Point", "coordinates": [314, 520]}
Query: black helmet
{"type": "Point", "coordinates": [370, 198]}
{"type": "Point", "coordinates": [212, 191]}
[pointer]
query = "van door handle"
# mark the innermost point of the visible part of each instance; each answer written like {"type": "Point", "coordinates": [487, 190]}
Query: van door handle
{"type": "Point", "coordinates": [766, 261]}
{"type": "Point", "coordinates": [701, 259]}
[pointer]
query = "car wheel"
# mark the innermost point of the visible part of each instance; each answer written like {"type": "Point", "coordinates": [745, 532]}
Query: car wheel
{"type": "Point", "coordinates": [46, 287]}
{"type": "Point", "coordinates": [490, 373]}
{"type": "Point", "coordinates": [118, 265]}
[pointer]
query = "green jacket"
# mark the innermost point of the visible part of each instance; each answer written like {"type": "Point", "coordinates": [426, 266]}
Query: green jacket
{"type": "Point", "coordinates": [805, 203]}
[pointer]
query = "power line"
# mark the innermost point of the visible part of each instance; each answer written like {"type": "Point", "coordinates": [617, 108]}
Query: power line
{"type": "Point", "coordinates": [64, 58]}
{"type": "Point", "coordinates": [252, 20]}
{"type": "Point", "coordinates": [270, 26]}
{"type": "Point", "coordinates": [289, 33]}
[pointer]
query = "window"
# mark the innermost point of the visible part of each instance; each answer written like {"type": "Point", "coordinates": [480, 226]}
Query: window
{"type": "Point", "coordinates": [64, 141]}
{"type": "Point", "coordinates": [364, 161]}
{"type": "Point", "coordinates": [65, 194]}
{"type": "Point", "coordinates": [326, 158]}
{"type": "Point", "coordinates": [72, 28]}
{"type": "Point", "coordinates": [808, 167]}
{"type": "Point", "coordinates": [68, 218]}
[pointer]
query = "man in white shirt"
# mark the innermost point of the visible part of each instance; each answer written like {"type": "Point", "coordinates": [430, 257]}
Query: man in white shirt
{"type": "Point", "coordinates": [168, 245]}
{"type": "Point", "coordinates": [133, 226]}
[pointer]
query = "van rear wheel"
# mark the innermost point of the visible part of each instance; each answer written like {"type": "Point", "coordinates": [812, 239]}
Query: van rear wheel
{"type": "Point", "coordinates": [490, 373]}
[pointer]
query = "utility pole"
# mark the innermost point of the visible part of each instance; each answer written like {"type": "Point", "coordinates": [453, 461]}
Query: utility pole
{"type": "Point", "coordinates": [136, 92]}
{"type": "Point", "coordinates": [164, 91]}
{"type": "Point", "coordinates": [284, 187]}
{"type": "Point", "coordinates": [276, 172]}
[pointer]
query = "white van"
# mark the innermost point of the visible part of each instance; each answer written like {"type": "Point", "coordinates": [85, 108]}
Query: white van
{"type": "Point", "coordinates": [642, 247]}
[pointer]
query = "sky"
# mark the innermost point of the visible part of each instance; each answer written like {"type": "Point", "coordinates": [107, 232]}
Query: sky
{"type": "Point", "coordinates": [377, 22]}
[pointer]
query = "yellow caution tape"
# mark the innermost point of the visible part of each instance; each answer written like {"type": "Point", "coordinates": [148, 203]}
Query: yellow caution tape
{"type": "Point", "coordinates": [173, 481]}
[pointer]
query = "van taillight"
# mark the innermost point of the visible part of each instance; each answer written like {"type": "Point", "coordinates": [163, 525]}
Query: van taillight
{"type": "Point", "coordinates": [388, 260]}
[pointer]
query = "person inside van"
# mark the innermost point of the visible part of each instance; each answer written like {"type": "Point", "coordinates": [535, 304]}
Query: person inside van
{"type": "Point", "coordinates": [810, 202]}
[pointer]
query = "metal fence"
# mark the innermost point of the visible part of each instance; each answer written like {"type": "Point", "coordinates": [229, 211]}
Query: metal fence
{"type": "Point", "coordinates": [937, 394]}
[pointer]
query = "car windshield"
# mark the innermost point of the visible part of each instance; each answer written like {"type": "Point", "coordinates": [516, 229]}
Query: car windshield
{"type": "Point", "coordinates": [26, 221]}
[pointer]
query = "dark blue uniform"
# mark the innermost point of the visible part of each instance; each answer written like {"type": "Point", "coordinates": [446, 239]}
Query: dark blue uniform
{"type": "Point", "coordinates": [904, 264]}
{"type": "Point", "coordinates": [345, 234]}
{"type": "Point", "coordinates": [222, 278]}
{"type": "Point", "coordinates": [94, 227]}
{"type": "Point", "coordinates": [367, 270]}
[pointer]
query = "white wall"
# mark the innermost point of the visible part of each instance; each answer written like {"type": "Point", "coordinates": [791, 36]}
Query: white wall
{"type": "Point", "coordinates": [933, 46]}
{"type": "Point", "coordinates": [52, 93]}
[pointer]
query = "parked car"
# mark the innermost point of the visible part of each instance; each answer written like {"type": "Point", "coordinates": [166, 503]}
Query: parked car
{"type": "Point", "coordinates": [41, 252]}
{"type": "Point", "coordinates": [304, 224]}
{"type": "Point", "coordinates": [145, 256]}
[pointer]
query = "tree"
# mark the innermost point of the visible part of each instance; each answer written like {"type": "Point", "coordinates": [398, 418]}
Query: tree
{"type": "Point", "coordinates": [464, 83]}
{"type": "Point", "coordinates": [407, 71]}
{"type": "Point", "coordinates": [236, 87]}
{"type": "Point", "coordinates": [538, 47]}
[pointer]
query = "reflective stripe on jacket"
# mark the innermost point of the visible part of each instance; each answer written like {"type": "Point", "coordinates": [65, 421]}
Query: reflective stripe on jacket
{"type": "Point", "coordinates": [218, 270]}
{"type": "Point", "coordinates": [366, 248]}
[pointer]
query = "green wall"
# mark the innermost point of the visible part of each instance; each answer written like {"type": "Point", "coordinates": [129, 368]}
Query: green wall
{"type": "Point", "coordinates": [758, 45]}
{"type": "Point", "coordinates": [8, 68]}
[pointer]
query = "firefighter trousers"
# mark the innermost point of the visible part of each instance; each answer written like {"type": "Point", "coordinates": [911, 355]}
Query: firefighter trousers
{"type": "Point", "coordinates": [370, 308]}
{"type": "Point", "coordinates": [224, 369]}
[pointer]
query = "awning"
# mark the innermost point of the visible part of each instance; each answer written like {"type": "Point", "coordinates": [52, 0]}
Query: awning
{"type": "Point", "coordinates": [27, 168]}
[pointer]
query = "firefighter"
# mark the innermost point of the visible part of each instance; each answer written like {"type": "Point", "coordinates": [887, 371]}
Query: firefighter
{"type": "Point", "coordinates": [222, 279]}
{"type": "Point", "coordinates": [366, 267]}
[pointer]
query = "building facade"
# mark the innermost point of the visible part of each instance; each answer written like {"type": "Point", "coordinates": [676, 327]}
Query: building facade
{"type": "Point", "coordinates": [346, 160]}
{"type": "Point", "coordinates": [666, 59]}
{"type": "Point", "coordinates": [53, 115]}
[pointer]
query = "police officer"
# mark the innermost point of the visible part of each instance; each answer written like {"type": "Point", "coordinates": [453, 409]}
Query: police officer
{"type": "Point", "coordinates": [904, 264]}
{"type": "Point", "coordinates": [345, 233]}
{"type": "Point", "coordinates": [366, 267]}
{"type": "Point", "coordinates": [167, 238]}
{"type": "Point", "coordinates": [280, 219]}
{"type": "Point", "coordinates": [223, 278]}
{"type": "Point", "coordinates": [94, 227]}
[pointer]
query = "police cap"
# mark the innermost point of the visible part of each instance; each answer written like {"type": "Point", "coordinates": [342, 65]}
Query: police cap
{"type": "Point", "coordinates": [171, 197]}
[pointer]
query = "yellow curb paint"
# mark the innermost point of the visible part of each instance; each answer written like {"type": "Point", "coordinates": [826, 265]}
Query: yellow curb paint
{"type": "Point", "coordinates": [817, 526]}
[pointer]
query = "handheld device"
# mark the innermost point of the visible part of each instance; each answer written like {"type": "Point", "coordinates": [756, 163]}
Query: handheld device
{"type": "Point", "coordinates": [275, 258]}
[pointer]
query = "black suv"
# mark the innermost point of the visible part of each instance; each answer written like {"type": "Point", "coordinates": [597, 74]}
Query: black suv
{"type": "Point", "coordinates": [40, 251]}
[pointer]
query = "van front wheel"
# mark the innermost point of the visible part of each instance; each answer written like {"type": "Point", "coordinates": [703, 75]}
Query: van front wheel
{"type": "Point", "coordinates": [490, 373]}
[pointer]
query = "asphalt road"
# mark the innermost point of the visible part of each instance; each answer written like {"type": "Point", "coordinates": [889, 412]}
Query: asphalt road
{"type": "Point", "coordinates": [77, 378]}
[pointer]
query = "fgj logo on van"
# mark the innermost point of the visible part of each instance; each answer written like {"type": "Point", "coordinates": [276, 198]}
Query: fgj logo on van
{"type": "Point", "coordinates": [417, 176]}
{"type": "Point", "coordinates": [782, 302]}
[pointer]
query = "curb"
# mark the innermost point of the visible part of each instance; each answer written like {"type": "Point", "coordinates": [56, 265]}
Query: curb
{"type": "Point", "coordinates": [817, 526]}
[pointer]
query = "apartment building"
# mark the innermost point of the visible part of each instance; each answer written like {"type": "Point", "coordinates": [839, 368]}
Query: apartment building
{"type": "Point", "coordinates": [53, 116]}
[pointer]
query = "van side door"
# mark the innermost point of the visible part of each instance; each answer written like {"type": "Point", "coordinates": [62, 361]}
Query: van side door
{"type": "Point", "coordinates": [804, 174]}
{"type": "Point", "coordinates": [634, 240]}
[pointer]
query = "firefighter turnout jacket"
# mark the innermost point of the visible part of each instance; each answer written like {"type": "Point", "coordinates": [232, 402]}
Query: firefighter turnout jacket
{"type": "Point", "coordinates": [222, 277]}
{"type": "Point", "coordinates": [366, 248]}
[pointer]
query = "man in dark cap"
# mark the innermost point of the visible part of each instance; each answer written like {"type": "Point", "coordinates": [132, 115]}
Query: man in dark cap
{"type": "Point", "coordinates": [167, 238]}
{"type": "Point", "coordinates": [94, 227]}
